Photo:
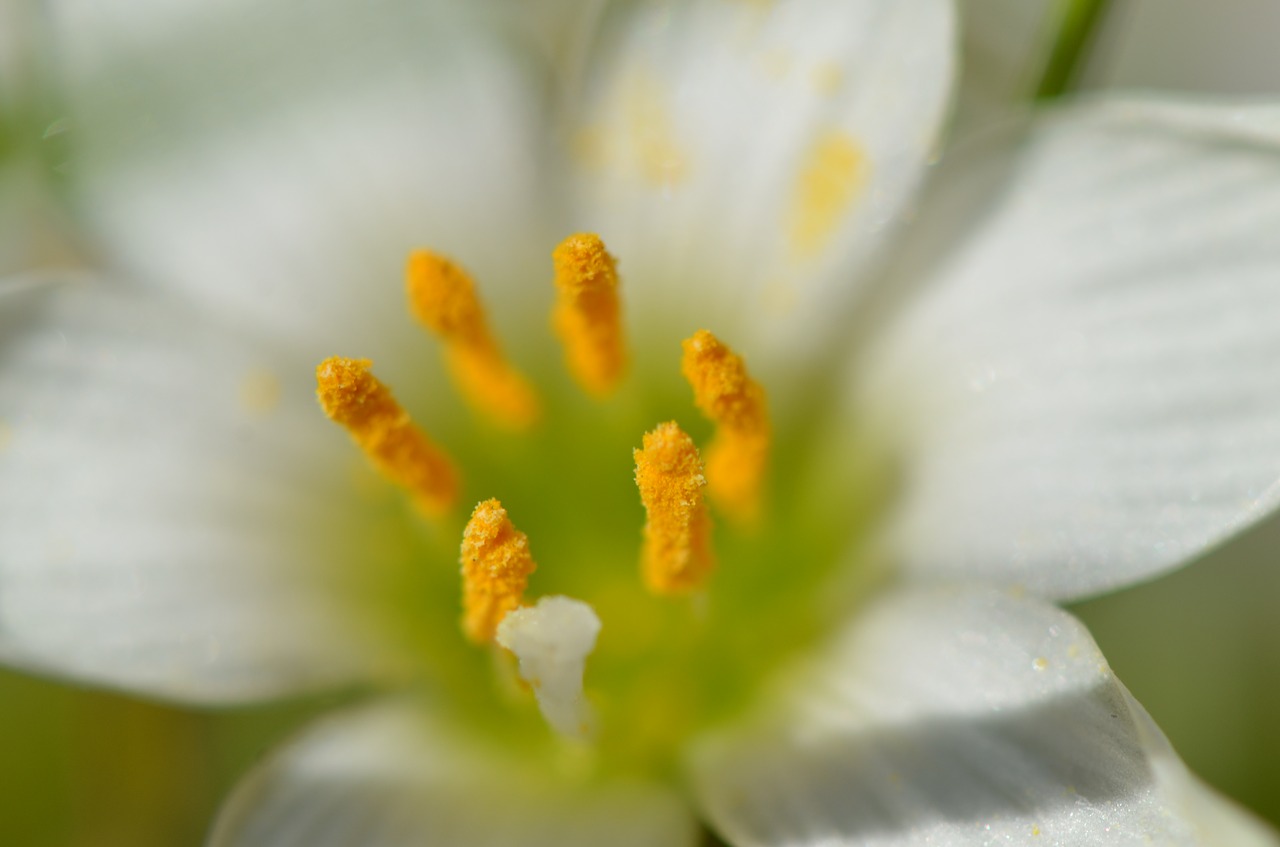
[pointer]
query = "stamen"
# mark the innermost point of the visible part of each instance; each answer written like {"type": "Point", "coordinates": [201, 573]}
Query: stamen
{"type": "Point", "coordinates": [739, 454]}
{"type": "Point", "coordinates": [496, 564]}
{"type": "Point", "coordinates": [552, 641]}
{"type": "Point", "coordinates": [353, 397]}
{"type": "Point", "coordinates": [586, 315]}
{"type": "Point", "coordinates": [677, 555]}
{"type": "Point", "coordinates": [443, 298]}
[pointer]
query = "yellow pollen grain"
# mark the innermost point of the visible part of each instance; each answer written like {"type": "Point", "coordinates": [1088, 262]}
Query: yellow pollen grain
{"type": "Point", "coordinates": [587, 316]}
{"type": "Point", "coordinates": [738, 457]}
{"type": "Point", "coordinates": [352, 397]}
{"type": "Point", "coordinates": [442, 297]}
{"type": "Point", "coordinates": [677, 556]}
{"type": "Point", "coordinates": [659, 157]}
{"type": "Point", "coordinates": [496, 564]}
{"type": "Point", "coordinates": [834, 172]}
{"type": "Point", "coordinates": [827, 78]}
{"type": "Point", "coordinates": [776, 64]}
{"type": "Point", "coordinates": [259, 392]}
{"type": "Point", "coordinates": [590, 147]}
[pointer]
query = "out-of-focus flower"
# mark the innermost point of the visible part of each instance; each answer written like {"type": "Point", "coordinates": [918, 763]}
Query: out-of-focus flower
{"type": "Point", "coordinates": [1062, 385]}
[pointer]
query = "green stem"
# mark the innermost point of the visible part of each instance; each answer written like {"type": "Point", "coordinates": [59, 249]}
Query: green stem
{"type": "Point", "coordinates": [1078, 22]}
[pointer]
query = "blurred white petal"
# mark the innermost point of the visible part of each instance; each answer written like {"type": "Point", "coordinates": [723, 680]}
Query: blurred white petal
{"type": "Point", "coordinates": [956, 718]}
{"type": "Point", "coordinates": [159, 528]}
{"type": "Point", "coordinates": [384, 776]}
{"type": "Point", "coordinates": [277, 162]}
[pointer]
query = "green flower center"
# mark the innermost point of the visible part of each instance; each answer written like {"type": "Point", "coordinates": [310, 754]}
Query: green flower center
{"type": "Point", "coordinates": [663, 666]}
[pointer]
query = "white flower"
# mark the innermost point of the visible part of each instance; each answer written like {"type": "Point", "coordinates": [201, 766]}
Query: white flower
{"type": "Point", "coordinates": [1065, 383]}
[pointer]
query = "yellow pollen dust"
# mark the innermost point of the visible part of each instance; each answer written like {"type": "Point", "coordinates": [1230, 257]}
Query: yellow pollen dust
{"type": "Point", "coordinates": [496, 564]}
{"type": "Point", "coordinates": [658, 155]}
{"type": "Point", "coordinates": [834, 172]}
{"type": "Point", "coordinates": [442, 297]}
{"type": "Point", "coordinates": [587, 317]}
{"type": "Point", "coordinates": [677, 557]}
{"type": "Point", "coordinates": [351, 396]}
{"type": "Point", "coordinates": [738, 457]}
{"type": "Point", "coordinates": [827, 77]}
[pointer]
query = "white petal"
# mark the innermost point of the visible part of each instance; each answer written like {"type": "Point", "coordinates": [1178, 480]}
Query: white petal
{"type": "Point", "coordinates": [278, 161]}
{"type": "Point", "coordinates": [1085, 391]}
{"type": "Point", "coordinates": [743, 159]}
{"type": "Point", "coordinates": [164, 516]}
{"type": "Point", "coordinates": [385, 775]}
{"type": "Point", "coordinates": [956, 718]}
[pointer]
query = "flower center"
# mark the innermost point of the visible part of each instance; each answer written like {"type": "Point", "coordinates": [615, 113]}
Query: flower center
{"type": "Point", "coordinates": [652, 621]}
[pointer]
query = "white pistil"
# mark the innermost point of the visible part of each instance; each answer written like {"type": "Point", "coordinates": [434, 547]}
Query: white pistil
{"type": "Point", "coordinates": [552, 641]}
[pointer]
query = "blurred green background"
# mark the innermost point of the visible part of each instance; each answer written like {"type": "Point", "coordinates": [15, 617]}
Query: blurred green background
{"type": "Point", "coordinates": [83, 768]}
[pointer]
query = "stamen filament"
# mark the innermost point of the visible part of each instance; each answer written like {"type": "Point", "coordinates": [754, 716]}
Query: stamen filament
{"type": "Point", "coordinates": [351, 396]}
{"type": "Point", "coordinates": [738, 457]}
{"type": "Point", "coordinates": [587, 315]}
{"type": "Point", "coordinates": [677, 556]}
{"type": "Point", "coordinates": [496, 564]}
{"type": "Point", "coordinates": [442, 297]}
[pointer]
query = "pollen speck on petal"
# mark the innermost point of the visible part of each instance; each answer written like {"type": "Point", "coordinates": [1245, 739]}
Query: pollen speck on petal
{"type": "Point", "coordinates": [830, 179]}
{"type": "Point", "coordinates": [259, 392]}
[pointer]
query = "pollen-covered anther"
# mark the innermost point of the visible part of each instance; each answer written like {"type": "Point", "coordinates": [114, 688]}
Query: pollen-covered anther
{"type": "Point", "coordinates": [352, 397]}
{"type": "Point", "coordinates": [587, 315]}
{"type": "Point", "coordinates": [677, 556]}
{"type": "Point", "coordinates": [496, 564]}
{"type": "Point", "coordinates": [442, 297]}
{"type": "Point", "coordinates": [738, 457]}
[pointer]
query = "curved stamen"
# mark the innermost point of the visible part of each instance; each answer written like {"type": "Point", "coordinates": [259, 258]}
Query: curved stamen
{"type": "Point", "coordinates": [738, 457]}
{"type": "Point", "coordinates": [352, 397]}
{"type": "Point", "coordinates": [442, 296]}
{"type": "Point", "coordinates": [587, 316]}
{"type": "Point", "coordinates": [677, 555]}
{"type": "Point", "coordinates": [496, 564]}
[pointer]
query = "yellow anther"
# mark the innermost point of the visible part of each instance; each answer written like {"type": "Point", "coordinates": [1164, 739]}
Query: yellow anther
{"type": "Point", "coordinates": [354, 398]}
{"type": "Point", "coordinates": [587, 316]}
{"type": "Point", "coordinates": [496, 564]}
{"type": "Point", "coordinates": [677, 555]}
{"type": "Point", "coordinates": [443, 298]}
{"type": "Point", "coordinates": [739, 454]}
